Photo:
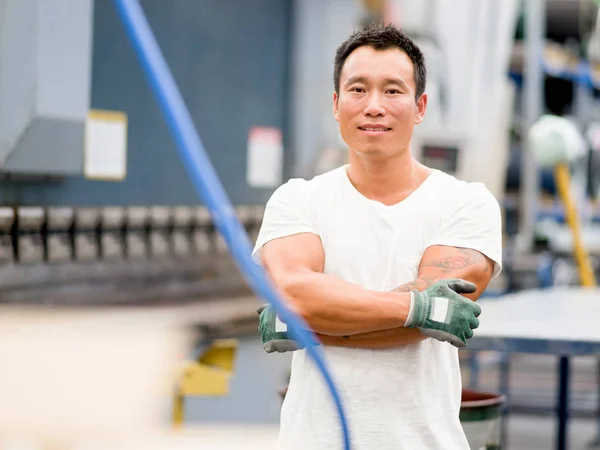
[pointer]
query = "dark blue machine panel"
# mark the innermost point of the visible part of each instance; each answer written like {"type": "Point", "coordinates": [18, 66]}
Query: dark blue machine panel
{"type": "Point", "coordinates": [230, 60]}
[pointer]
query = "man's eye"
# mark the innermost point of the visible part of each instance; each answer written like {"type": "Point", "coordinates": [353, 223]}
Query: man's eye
{"type": "Point", "coordinates": [357, 89]}
{"type": "Point", "coordinates": [394, 91]}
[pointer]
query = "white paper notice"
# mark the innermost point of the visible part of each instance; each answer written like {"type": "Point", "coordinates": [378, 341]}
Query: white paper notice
{"type": "Point", "coordinates": [105, 156]}
{"type": "Point", "coordinates": [265, 157]}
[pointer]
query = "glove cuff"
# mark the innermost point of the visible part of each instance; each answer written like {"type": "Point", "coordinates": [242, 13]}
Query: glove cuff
{"type": "Point", "coordinates": [411, 311]}
{"type": "Point", "coordinates": [419, 309]}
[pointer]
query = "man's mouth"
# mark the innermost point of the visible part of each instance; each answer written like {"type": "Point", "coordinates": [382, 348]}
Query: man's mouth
{"type": "Point", "coordinates": [374, 128]}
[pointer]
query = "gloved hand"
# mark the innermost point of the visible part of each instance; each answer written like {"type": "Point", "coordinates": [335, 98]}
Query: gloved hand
{"type": "Point", "coordinates": [441, 313]}
{"type": "Point", "coordinates": [274, 333]}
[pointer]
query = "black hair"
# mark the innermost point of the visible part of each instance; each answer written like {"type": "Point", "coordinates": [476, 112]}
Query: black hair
{"type": "Point", "coordinates": [382, 37]}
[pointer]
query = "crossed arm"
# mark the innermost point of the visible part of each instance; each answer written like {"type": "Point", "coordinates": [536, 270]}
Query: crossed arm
{"type": "Point", "coordinates": [344, 314]}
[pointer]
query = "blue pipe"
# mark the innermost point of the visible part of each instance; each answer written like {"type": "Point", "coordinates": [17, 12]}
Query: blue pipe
{"type": "Point", "coordinates": [207, 184]}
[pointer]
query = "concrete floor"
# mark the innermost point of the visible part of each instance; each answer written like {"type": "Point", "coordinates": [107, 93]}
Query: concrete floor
{"type": "Point", "coordinates": [537, 433]}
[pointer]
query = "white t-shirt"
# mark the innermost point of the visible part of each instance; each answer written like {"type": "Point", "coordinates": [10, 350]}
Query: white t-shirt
{"type": "Point", "coordinates": [405, 398]}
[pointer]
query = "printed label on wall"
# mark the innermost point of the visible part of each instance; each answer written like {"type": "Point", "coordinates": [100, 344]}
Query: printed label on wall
{"type": "Point", "coordinates": [265, 157]}
{"type": "Point", "coordinates": [105, 156]}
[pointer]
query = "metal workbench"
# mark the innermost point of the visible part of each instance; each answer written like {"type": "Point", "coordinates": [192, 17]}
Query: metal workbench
{"type": "Point", "coordinates": [559, 321]}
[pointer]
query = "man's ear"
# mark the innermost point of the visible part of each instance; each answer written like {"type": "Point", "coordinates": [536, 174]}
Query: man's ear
{"type": "Point", "coordinates": [421, 107]}
{"type": "Point", "coordinates": [336, 111]}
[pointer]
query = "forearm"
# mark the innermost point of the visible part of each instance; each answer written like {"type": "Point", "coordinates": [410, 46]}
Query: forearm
{"type": "Point", "coordinates": [335, 307]}
{"type": "Point", "coordinates": [376, 340]}
{"type": "Point", "coordinates": [472, 267]}
{"type": "Point", "coordinates": [383, 339]}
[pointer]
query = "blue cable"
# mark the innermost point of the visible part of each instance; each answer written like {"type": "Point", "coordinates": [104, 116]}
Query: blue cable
{"type": "Point", "coordinates": [207, 184]}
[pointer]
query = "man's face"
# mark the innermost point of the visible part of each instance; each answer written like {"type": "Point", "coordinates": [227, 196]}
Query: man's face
{"type": "Point", "coordinates": [376, 106]}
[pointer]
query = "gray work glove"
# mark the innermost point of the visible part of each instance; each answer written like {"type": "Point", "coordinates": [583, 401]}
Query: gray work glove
{"type": "Point", "coordinates": [273, 332]}
{"type": "Point", "coordinates": [443, 314]}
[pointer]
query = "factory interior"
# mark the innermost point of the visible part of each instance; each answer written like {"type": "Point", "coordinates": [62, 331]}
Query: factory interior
{"type": "Point", "coordinates": [128, 307]}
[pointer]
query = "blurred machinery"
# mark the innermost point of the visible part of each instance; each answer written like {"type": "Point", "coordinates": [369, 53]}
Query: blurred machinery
{"type": "Point", "coordinates": [97, 214]}
{"type": "Point", "coordinates": [476, 123]}
{"type": "Point", "coordinates": [208, 375]}
{"type": "Point", "coordinates": [557, 143]}
{"type": "Point", "coordinates": [95, 206]}
{"type": "Point", "coordinates": [466, 131]}
{"type": "Point", "coordinates": [115, 222]}
{"type": "Point", "coordinates": [45, 83]}
{"type": "Point", "coordinates": [116, 255]}
{"type": "Point", "coordinates": [98, 218]}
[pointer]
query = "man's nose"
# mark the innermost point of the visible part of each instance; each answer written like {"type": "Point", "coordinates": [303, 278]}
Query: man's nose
{"type": "Point", "coordinates": [374, 106]}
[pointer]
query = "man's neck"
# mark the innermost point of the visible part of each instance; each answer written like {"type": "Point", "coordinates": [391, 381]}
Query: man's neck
{"type": "Point", "coordinates": [387, 180]}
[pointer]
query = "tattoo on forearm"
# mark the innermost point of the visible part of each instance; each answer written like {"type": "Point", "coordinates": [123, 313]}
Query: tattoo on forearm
{"type": "Point", "coordinates": [419, 284]}
{"type": "Point", "coordinates": [466, 258]}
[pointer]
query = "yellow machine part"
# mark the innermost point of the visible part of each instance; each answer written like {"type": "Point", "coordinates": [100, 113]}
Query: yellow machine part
{"type": "Point", "coordinates": [563, 183]}
{"type": "Point", "coordinates": [209, 375]}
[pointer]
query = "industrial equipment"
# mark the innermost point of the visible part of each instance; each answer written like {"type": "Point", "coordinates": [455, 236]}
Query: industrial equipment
{"type": "Point", "coordinates": [208, 375]}
{"type": "Point", "coordinates": [45, 86]}
{"type": "Point", "coordinates": [466, 130]}
{"type": "Point", "coordinates": [547, 334]}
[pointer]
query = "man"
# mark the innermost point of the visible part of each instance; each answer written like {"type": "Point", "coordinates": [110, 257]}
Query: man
{"type": "Point", "coordinates": [362, 252]}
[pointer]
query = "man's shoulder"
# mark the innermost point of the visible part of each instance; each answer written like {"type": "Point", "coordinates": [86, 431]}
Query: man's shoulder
{"type": "Point", "coordinates": [316, 187]}
{"type": "Point", "coordinates": [458, 190]}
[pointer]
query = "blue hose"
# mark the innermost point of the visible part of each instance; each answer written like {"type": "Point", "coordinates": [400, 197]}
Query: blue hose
{"type": "Point", "coordinates": [207, 183]}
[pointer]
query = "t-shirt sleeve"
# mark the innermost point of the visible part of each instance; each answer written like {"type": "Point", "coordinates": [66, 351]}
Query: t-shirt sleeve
{"type": "Point", "coordinates": [475, 223]}
{"type": "Point", "coordinates": [286, 213]}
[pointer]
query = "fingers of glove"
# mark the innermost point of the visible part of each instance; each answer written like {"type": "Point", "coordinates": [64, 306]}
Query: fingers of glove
{"type": "Point", "coordinates": [459, 344]}
{"type": "Point", "coordinates": [474, 323]}
{"type": "Point", "coordinates": [461, 286]}
{"type": "Point", "coordinates": [456, 342]}
{"type": "Point", "coordinates": [472, 306]}
{"type": "Point", "coordinates": [477, 309]}
{"type": "Point", "coordinates": [443, 337]}
{"type": "Point", "coordinates": [269, 347]}
{"type": "Point", "coordinates": [280, 346]}
{"type": "Point", "coordinates": [469, 334]}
